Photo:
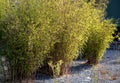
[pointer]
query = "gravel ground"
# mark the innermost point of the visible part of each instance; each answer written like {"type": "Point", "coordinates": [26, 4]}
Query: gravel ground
{"type": "Point", "coordinates": [108, 71]}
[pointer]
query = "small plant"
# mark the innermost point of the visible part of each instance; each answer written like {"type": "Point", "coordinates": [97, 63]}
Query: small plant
{"type": "Point", "coordinates": [95, 73]}
{"type": "Point", "coordinates": [55, 67]}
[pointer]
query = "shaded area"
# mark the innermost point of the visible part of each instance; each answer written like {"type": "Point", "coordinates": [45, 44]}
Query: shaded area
{"type": "Point", "coordinates": [40, 76]}
{"type": "Point", "coordinates": [80, 67]}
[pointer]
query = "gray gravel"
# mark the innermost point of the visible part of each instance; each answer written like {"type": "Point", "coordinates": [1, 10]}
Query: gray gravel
{"type": "Point", "coordinates": [108, 71]}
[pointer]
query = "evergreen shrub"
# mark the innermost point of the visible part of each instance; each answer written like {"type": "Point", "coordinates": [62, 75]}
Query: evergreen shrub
{"type": "Point", "coordinates": [27, 35]}
{"type": "Point", "coordinates": [71, 35]}
{"type": "Point", "coordinates": [99, 37]}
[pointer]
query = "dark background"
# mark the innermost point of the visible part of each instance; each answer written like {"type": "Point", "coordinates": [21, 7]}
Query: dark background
{"type": "Point", "coordinates": [113, 10]}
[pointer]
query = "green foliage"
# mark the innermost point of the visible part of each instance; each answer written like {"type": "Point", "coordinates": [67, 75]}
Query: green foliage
{"type": "Point", "coordinates": [28, 34]}
{"type": "Point", "coordinates": [34, 31]}
{"type": "Point", "coordinates": [55, 67]}
{"type": "Point", "coordinates": [71, 35]}
{"type": "Point", "coordinates": [2, 12]}
{"type": "Point", "coordinates": [101, 4]}
{"type": "Point", "coordinates": [100, 35]}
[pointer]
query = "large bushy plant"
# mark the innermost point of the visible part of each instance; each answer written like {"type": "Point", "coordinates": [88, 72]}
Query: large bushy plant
{"type": "Point", "coordinates": [72, 32]}
{"type": "Point", "coordinates": [37, 32]}
{"type": "Point", "coordinates": [100, 35]}
{"type": "Point", "coordinates": [28, 34]}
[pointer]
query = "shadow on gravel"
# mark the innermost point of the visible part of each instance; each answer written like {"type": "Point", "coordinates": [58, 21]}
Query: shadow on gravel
{"type": "Point", "coordinates": [42, 77]}
{"type": "Point", "coordinates": [115, 62]}
{"type": "Point", "coordinates": [74, 70]}
{"type": "Point", "coordinates": [80, 68]}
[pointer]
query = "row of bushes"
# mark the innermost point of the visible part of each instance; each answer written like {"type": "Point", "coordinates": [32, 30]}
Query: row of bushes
{"type": "Point", "coordinates": [35, 33]}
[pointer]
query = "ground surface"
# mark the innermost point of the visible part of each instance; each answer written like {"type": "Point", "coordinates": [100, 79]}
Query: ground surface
{"type": "Point", "coordinates": [108, 71]}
